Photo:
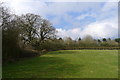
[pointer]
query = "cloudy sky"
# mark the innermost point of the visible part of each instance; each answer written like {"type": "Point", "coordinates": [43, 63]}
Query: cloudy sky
{"type": "Point", "coordinates": [76, 18]}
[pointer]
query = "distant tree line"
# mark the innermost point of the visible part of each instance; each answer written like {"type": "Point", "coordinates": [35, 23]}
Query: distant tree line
{"type": "Point", "coordinates": [29, 35]}
{"type": "Point", "coordinates": [85, 43]}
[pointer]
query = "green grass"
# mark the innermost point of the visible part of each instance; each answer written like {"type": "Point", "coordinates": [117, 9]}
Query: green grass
{"type": "Point", "coordinates": [66, 64]}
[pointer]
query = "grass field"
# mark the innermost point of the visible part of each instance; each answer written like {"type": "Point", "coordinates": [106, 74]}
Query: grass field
{"type": "Point", "coordinates": [66, 64]}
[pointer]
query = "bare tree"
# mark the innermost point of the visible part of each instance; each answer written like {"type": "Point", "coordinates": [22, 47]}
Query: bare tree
{"type": "Point", "coordinates": [10, 33]}
{"type": "Point", "coordinates": [30, 24]}
{"type": "Point", "coordinates": [35, 30]}
{"type": "Point", "coordinates": [5, 16]}
{"type": "Point", "coordinates": [46, 30]}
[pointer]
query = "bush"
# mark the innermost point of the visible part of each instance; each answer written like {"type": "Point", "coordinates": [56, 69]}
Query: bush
{"type": "Point", "coordinates": [28, 53]}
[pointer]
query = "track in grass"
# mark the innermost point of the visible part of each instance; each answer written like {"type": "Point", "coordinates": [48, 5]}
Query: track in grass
{"type": "Point", "coordinates": [66, 64]}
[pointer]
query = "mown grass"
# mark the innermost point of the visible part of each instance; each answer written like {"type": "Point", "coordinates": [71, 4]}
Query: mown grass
{"type": "Point", "coordinates": [66, 64]}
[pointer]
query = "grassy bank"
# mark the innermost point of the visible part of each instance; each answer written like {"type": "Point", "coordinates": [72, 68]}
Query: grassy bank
{"type": "Point", "coordinates": [66, 64]}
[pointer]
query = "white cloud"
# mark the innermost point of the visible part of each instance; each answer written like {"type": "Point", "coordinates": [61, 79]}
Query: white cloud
{"type": "Point", "coordinates": [105, 28]}
{"type": "Point", "coordinates": [109, 6]}
{"type": "Point", "coordinates": [82, 16]}
{"type": "Point", "coordinates": [27, 6]}
{"type": "Point", "coordinates": [101, 29]}
{"type": "Point", "coordinates": [73, 33]}
{"type": "Point", "coordinates": [82, 0]}
{"type": "Point", "coordinates": [110, 9]}
{"type": "Point", "coordinates": [98, 29]}
{"type": "Point", "coordinates": [55, 8]}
